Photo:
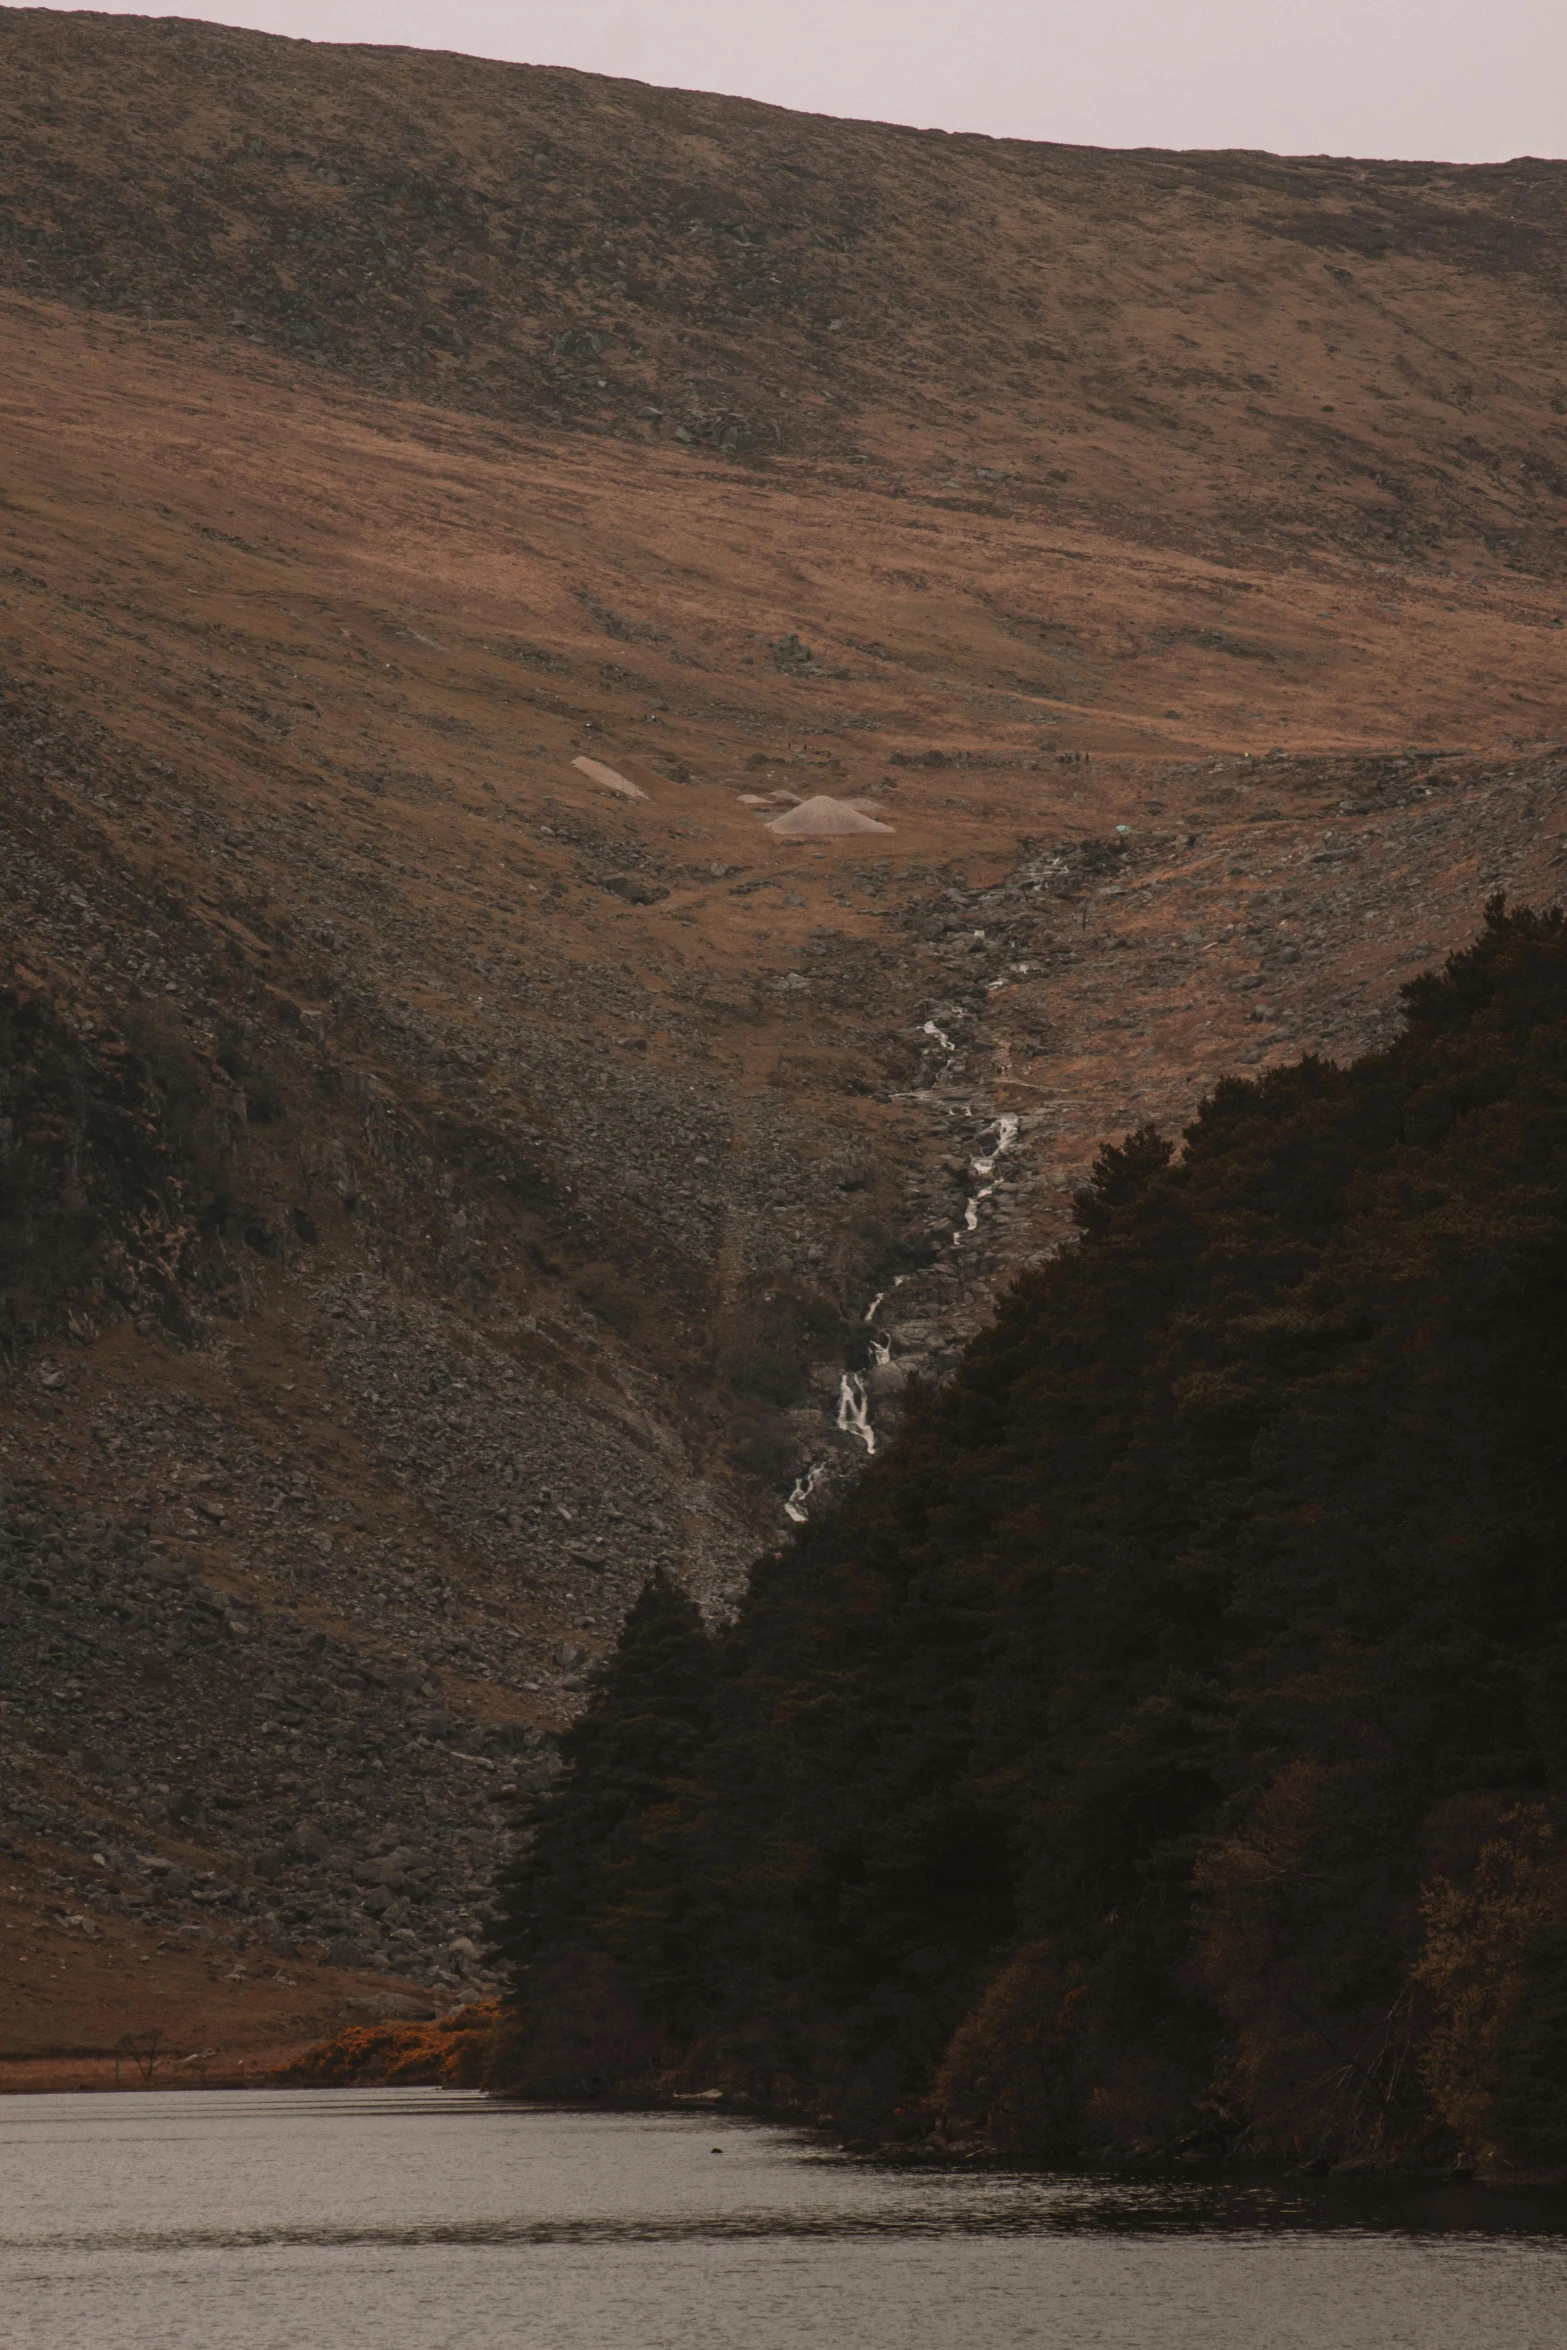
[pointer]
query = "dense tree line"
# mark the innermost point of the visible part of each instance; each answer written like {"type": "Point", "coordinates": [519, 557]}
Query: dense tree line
{"type": "Point", "coordinates": [1164, 1743]}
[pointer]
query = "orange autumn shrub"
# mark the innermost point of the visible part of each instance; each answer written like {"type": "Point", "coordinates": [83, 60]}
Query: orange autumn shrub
{"type": "Point", "coordinates": [450, 2054]}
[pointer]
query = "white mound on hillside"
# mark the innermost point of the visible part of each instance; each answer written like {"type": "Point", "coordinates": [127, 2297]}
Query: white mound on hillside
{"type": "Point", "coordinates": [823, 819]}
{"type": "Point", "coordinates": [597, 772]}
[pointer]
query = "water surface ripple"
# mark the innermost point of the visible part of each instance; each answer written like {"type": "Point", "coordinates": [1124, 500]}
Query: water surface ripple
{"type": "Point", "coordinates": [417, 2220]}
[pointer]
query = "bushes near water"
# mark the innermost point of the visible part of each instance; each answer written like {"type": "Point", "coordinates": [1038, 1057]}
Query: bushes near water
{"type": "Point", "coordinates": [1164, 1744]}
{"type": "Point", "coordinates": [458, 2052]}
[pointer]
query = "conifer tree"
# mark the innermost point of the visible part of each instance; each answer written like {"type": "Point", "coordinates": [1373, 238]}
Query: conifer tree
{"type": "Point", "coordinates": [1103, 1765]}
{"type": "Point", "coordinates": [604, 1864]}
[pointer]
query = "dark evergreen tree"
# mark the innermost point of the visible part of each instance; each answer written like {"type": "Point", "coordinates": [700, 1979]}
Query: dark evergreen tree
{"type": "Point", "coordinates": [1167, 1734]}
{"type": "Point", "coordinates": [605, 1861]}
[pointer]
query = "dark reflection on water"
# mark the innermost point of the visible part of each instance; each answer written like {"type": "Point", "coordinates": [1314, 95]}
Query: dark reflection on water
{"type": "Point", "coordinates": [1047, 2203]}
{"type": "Point", "coordinates": [409, 2220]}
{"type": "Point", "coordinates": [1382, 2207]}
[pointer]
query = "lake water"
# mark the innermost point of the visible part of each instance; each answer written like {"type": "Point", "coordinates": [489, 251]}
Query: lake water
{"type": "Point", "coordinates": [417, 2220]}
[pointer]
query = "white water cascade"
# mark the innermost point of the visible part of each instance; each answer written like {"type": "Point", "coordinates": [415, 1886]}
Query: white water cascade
{"type": "Point", "coordinates": [804, 1487]}
{"type": "Point", "coordinates": [854, 1403]}
{"type": "Point", "coordinates": [854, 1410]}
{"type": "Point", "coordinates": [881, 1348]}
{"type": "Point", "coordinates": [1006, 1136]}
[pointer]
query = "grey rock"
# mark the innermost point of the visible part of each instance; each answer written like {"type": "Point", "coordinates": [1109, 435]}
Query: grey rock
{"type": "Point", "coordinates": [633, 889]}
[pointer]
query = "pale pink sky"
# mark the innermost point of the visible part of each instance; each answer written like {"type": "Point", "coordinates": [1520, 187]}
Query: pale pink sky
{"type": "Point", "coordinates": [1464, 80]}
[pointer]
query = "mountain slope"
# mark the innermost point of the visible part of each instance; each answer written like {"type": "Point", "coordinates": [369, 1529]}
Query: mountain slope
{"type": "Point", "coordinates": [1162, 1747]}
{"type": "Point", "coordinates": [438, 1186]}
{"type": "Point", "coordinates": [1315, 351]}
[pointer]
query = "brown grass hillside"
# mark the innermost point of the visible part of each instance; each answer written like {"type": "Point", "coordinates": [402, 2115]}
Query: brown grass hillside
{"type": "Point", "coordinates": [434, 1187]}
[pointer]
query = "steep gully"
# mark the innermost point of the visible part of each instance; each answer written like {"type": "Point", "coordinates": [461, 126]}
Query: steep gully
{"type": "Point", "coordinates": [313, 1617]}
{"type": "Point", "coordinates": [857, 1388]}
{"type": "Point", "coordinates": [1234, 947]}
{"type": "Point", "coordinates": [317, 1581]}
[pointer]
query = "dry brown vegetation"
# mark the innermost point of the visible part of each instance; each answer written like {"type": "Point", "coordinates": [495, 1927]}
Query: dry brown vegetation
{"type": "Point", "coordinates": [451, 2054]}
{"type": "Point", "coordinates": [384, 433]}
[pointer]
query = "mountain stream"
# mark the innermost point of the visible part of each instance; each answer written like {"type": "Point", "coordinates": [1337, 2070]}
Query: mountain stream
{"type": "Point", "coordinates": [853, 1416]}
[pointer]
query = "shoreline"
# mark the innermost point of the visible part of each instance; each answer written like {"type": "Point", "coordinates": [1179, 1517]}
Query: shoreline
{"type": "Point", "coordinates": [64, 2076]}
{"type": "Point", "coordinates": [91, 2072]}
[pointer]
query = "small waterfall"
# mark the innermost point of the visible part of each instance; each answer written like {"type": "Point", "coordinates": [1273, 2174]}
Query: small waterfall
{"type": "Point", "coordinates": [1006, 1136]}
{"type": "Point", "coordinates": [854, 1405]}
{"type": "Point", "coordinates": [881, 1348]}
{"type": "Point", "coordinates": [854, 1410]}
{"type": "Point", "coordinates": [804, 1487]}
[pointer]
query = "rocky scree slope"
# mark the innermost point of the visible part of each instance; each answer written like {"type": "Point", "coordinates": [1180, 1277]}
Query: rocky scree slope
{"type": "Point", "coordinates": [432, 1191]}
{"type": "Point", "coordinates": [316, 1511]}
